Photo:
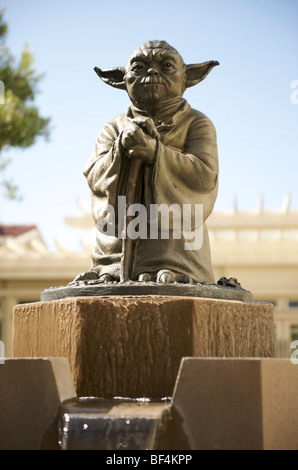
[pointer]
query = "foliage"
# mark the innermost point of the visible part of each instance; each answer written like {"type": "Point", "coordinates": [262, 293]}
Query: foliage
{"type": "Point", "coordinates": [20, 121]}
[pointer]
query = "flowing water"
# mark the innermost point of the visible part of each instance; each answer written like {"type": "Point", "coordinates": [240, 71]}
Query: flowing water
{"type": "Point", "coordinates": [116, 424]}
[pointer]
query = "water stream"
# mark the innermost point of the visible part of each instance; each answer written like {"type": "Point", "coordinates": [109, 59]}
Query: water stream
{"type": "Point", "coordinates": [115, 424]}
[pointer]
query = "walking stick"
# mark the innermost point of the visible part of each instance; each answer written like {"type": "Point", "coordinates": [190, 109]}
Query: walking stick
{"type": "Point", "coordinates": [127, 243]}
{"type": "Point", "coordinates": [135, 173]}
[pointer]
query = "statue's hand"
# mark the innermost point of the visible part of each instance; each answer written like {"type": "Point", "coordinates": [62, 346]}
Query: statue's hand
{"type": "Point", "coordinates": [132, 135]}
{"type": "Point", "coordinates": [138, 144]}
{"type": "Point", "coordinates": [146, 152]}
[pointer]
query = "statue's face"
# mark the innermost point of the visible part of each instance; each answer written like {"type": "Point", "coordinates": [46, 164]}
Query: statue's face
{"type": "Point", "coordinates": [155, 76]}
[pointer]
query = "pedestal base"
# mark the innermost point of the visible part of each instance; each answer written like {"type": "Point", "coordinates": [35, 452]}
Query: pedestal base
{"type": "Point", "coordinates": [238, 404]}
{"type": "Point", "coordinates": [97, 289]}
{"type": "Point", "coordinates": [32, 392]}
{"type": "Point", "coordinates": [133, 346]}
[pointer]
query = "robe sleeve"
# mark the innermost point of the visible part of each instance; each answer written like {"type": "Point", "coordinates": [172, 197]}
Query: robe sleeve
{"type": "Point", "coordinates": [188, 176]}
{"type": "Point", "coordinates": [104, 164]}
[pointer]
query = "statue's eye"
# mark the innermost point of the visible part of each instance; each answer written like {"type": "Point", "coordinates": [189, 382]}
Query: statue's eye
{"type": "Point", "coordinates": [167, 65]}
{"type": "Point", "coordinates": [138, 67]}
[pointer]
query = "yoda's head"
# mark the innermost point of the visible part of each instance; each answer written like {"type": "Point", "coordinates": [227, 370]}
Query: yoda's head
{"type": "Point", "coordinates": [155, 74]}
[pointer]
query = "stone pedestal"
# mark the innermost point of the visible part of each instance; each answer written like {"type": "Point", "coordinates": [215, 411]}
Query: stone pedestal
{"type": "Point", "coordinates": [238, 404]}
{"type": "Point", "coordinates": [31, 394]}
{"type": "Point", "coordinates": [133, 346]}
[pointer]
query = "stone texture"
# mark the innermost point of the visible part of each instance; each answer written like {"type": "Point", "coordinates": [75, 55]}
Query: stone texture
{"type": "Point", "coordinates": [31, 393]}
{"type": "Point", "coordinates": [238, 404]}
{"type": "Point", "coordinates": [132, 346]}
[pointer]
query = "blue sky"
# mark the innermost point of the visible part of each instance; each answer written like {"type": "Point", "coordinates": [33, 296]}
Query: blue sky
{"type": "Point", "coordinates": [248, 97]}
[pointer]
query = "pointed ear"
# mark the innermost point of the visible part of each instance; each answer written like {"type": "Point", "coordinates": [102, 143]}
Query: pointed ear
{"type": "Point", "coordinates": [195, 73]}
{"type": "Point", "coordinates": [113, 77]}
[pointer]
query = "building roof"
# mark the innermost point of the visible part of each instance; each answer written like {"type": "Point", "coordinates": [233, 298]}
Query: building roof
{"type": "Point", "coordinates": [15, 230]}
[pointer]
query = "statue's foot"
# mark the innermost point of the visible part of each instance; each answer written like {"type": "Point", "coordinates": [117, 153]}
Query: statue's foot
{"type": "Point", "coordinates": [147, 277]}
{"type": "Point", "coordinates": [92, 277]}
{"type": "Point", "coordinates": [166, 276]}
{"type": "Point", "coordinates": [87, 276]}
{"type": "Point", "coordinates": [106, 278]}
{"type": "Point", "coordinates": [102, 279]}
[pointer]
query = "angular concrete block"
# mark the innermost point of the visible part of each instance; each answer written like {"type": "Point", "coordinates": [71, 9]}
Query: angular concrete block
{"type": "Point", "coordinates": [31, 393]}
{"type": "Point", "coordinates": [132, 346]}
{"type": "Point", "coordinates": [238, 404]}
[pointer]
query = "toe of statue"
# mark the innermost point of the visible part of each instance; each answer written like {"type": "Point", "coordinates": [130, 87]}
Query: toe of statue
{"type": "Point", "coordinates": [147, 277]}
{"type": "Point", "coordinates": [86, 276]}
{"type": "Point", "coordinates": [166, 276]}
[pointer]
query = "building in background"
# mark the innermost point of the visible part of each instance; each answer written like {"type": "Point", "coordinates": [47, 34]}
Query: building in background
{"type": "Point", "coordinates": [259, 248]}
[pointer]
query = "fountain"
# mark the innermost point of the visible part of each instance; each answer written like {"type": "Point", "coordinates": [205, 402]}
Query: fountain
{"type": "Point", "coordinates": [150, 299]}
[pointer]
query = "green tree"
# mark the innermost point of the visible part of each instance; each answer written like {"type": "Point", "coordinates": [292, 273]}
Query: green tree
{"type": "Point", "coordinates": [20, 121]}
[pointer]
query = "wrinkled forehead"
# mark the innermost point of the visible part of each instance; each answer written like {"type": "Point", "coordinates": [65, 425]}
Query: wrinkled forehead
{"type": "Point", "coordinates": [158, 50]}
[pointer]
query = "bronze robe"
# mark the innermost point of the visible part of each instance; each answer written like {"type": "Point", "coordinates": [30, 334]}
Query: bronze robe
{"type": "Point", "coordinates": [185, 172]}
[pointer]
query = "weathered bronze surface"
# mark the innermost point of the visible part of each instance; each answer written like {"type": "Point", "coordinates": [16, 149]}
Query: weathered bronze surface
{"type": "Point", "coordinates": [100, 288]}
{"type": "Point", "coordinates": [160, 151]}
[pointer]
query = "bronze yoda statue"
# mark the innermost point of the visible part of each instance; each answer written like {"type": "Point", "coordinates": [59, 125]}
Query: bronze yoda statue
{"type": "Point", "coordinates": [159, 154]}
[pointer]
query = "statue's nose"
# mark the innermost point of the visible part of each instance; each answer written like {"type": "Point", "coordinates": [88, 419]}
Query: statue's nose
{"type": "Point", "coordinates": [152, 71]}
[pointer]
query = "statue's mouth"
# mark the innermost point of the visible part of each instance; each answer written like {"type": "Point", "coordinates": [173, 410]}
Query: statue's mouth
{"type": "Point", "coordinates": [152, 80]}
